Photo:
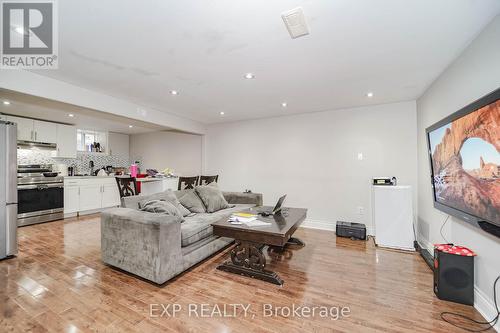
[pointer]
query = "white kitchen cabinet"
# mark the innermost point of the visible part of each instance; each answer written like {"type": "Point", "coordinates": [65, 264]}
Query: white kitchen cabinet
{"type": "Point", "coordinates": [71, 199]}
{"type": "Point", "coordinates": [44, 131]}
{"type": "Point", "coordinates": [110, 195]}
{"type": "Point", "coordinates": [90, 197]}
{"type": "Point", "coordinates": [25, 130]}
{"type": "Point", "coordinates": [118, 145]}
{"type": "Point", "coordinates": [89, 194]}
{"type": "Point", "coordinates": [66, 141]}
{"type": "Point", "coordinates": [3, 117]}
{"type": "Point", "coordinates": [34, 130]}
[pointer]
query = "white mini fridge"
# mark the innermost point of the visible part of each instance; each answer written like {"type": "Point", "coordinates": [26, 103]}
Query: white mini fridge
{"type": "Point", "coordinates": [393, 217]}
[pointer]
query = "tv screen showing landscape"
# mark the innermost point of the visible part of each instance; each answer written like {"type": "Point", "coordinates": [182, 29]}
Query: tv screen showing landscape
{"type": "Point", "coordinates": [465, 161]}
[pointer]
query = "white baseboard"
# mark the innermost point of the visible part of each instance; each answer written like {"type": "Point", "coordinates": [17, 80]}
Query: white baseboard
{"type": "Point", "coordinates": [485, 307]}
{"type": "Point", "coordinates": [327, 225]}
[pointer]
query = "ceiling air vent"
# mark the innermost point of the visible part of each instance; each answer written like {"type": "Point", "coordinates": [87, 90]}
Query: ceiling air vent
{"type": "Point", "coordinates": [295, 22]}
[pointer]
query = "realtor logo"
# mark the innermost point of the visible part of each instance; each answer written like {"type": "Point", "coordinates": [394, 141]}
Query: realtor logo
{"type": "Point", "coordinates": [29, 34]}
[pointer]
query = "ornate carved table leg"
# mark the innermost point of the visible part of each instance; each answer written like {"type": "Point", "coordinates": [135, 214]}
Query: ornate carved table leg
{"type": "Point", "coordinates": [247, 259]}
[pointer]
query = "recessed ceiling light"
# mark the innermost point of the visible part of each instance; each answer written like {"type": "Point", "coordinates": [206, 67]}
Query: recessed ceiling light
{"type": "Point", "coordinates": [6, 102]}
{"type": "Point", "coordinates": [370, 94]}
{"type": "Point", "coordinates": [249, 76]}
{"type": "Point", "coordinates": [130, 126]}
{"type": "Point", "coordinates": [174, 92]}
{"type": "Point", "coordinates": [222, 113]}
{"type": "Point", "coordinates": [284, 104]}
{"type": "Point", "coordinates": [71, 115]}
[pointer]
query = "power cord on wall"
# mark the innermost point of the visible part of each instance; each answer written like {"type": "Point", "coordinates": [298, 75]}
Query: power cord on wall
{"type": "Point", "coordinates": [441, 230]}
{"type": "Point", "coordinates": [490, 323]}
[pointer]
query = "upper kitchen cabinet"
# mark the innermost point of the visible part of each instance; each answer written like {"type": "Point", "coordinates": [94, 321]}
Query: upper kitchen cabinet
{"type": "Point", "coordinates": [119, 145]}
{"type": "Point", "coordinates": [24, 128]}
{"type": "Point", "coordinates": [34, 130]}
{"type": "Point", "coordinates": [45, 131]}
{"type": "Point", "coordinates": [66, 141]}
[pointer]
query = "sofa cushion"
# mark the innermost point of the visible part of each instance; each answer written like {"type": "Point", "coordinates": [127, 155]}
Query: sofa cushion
{"type": "Point", "coordinates": [199, 227]}
{"type": "Point", "coordinates": [161, 206]}
{"type": "Point", "coordinates": [212, 197]}
{"type": "Point", "coordinates": [167, 195]}
{"type": "Point", "coordinates": [190, 200]}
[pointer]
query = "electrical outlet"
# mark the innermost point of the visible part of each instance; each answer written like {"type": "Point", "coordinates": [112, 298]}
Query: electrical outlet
{"type": "Point", "coordinates": [361, 210]}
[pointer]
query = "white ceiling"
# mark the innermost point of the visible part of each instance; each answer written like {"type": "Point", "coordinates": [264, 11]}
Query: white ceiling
{"type": "Point", "coordinates": [44, 109]}
{"type": "Point", "coordinates": [140, 50]}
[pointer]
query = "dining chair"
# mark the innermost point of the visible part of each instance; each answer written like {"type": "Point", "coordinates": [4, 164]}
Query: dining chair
{"type": "Point", "coordinates": [125, 186]}
{"type": "Point", "coordinates": [205, 180]}
{"type": "Point", "coordinates": [186, 183]}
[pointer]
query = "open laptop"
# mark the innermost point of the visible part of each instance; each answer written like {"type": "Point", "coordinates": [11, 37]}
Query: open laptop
{"type": "Point", "coordinates": [276, 209]}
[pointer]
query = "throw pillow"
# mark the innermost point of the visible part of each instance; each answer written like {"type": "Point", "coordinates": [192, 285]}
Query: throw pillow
{"type": "Point", "coordinates": [190, 200]}
{"type": "Point", "coordinates": [169, 196]}
{"type": "Point", "coordinates": [212, 197]}
{"type": "Point", "coordinates": [161, 207]}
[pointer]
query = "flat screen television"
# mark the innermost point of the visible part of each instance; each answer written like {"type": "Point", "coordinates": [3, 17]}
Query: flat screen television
{"type": "Point", "coordinates": [464, 151]}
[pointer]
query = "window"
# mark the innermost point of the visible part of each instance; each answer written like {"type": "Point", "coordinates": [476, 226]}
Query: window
{"type": "Point", "coordinates": [91, 141]}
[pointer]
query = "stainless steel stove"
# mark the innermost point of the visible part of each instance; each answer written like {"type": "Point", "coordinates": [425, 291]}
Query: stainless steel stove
{"type": "Point", "coordinates": [40, 194]}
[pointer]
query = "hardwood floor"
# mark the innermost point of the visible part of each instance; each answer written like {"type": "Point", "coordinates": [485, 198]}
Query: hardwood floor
{"type": "Point", "coordinates": [59, 284]}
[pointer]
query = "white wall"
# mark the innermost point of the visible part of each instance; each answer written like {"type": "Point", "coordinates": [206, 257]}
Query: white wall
{"type": "Point", "coordinates": [474, 74]}
{"type": "Point", "coordinates": [314, 158]}
{"type": "Point", "coordinates": [162, 149]}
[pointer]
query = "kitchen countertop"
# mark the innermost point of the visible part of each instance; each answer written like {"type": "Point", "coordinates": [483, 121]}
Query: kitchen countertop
{"type": "Point", "coordinates": [88, 177]}
{"type": "Point", "coordinates": [153, 179]}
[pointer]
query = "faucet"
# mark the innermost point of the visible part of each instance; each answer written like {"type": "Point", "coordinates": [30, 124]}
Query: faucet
{"type": "Point", "coordinates": [91, 166]}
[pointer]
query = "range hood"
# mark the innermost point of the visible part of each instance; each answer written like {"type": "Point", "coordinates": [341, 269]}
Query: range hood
{"type": "Point", "coordinates": [28, 144]}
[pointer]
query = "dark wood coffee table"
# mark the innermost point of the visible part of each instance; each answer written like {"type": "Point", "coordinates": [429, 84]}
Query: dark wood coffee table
{"type": "Point", "coordinates": [247, 257]}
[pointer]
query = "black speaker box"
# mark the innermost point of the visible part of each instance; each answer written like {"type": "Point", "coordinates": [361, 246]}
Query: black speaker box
{"type": "Point", "coordinates": [454, 277]}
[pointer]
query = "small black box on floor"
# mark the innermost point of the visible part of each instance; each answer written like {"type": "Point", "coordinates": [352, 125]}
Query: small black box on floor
{"type": "Point", "coordinates": [351, 230]}
{"type": "Point", "coordinates": [454, 273]}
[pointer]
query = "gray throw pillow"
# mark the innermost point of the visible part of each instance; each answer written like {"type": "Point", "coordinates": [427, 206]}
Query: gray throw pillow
{"type": "Point", "coordinates": [169, 196]}
{"type": "Point", "coordinates": [212, 197]}
{"type": "Point", "coordinates": [161, 206]}
{"type": "Point", "coordinates": [191, 201]}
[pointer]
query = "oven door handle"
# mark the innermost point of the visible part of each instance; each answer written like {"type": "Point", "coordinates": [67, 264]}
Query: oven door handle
{"type": "Point", "coordinates": [39, 186]}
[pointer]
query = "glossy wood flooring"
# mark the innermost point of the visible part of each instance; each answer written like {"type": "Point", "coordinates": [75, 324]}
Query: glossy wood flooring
{"type": "Point", "coordinates": [59, 284]}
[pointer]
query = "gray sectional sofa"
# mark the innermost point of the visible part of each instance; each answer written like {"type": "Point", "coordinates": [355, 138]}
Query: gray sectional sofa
{"type": "Point", "coordinates": [158, 247]}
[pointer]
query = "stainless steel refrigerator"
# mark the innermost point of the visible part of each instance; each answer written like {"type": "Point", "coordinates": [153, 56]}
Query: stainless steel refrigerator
{"type": "Point", "coordinates": [8, 189]}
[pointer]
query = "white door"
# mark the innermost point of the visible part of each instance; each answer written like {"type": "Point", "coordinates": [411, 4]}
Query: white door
{"type": "Point", "coordinates": [66, 141]}
{"type": "Point", "coordinates": [90, 197]}
{"type": "Point", "coordinates": [110, 195]}
{"type": "Point", "coordinates": [71, 199]}
{"type": "Point", "coordinates": [24, 128]}
{"type": "Point", "coordinates": [45, 132]}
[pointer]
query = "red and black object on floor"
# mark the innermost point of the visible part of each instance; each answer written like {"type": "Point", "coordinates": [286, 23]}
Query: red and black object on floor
{"type": "Point", "coordinates": [454, 273]}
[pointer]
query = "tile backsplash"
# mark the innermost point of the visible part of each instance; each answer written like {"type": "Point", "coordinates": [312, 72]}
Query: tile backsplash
{"type": "Point", "coordinates": [81, 162]}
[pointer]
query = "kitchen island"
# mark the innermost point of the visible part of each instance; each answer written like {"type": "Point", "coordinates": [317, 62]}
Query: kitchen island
{"type": "Point", "coordinates": [151, 185]}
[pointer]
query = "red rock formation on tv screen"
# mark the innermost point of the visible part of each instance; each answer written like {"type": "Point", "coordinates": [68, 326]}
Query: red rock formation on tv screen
{"type": "Point", "coordinates": [478, 191]}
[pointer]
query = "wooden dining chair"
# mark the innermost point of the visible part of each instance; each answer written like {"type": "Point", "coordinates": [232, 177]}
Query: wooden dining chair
{"type": "Point", "coordinates": [205, 180]}
{"type": "Point", "coordinates": [186, 183]}
{"type": "Point", "coordinates": [125, 186]}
